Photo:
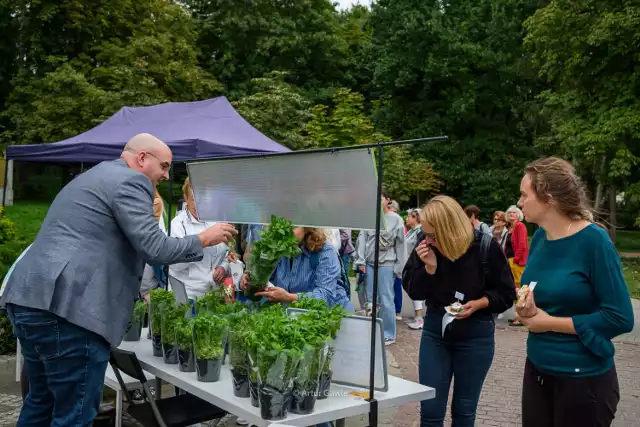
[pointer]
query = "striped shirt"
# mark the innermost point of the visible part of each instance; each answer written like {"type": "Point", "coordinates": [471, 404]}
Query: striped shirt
{"type": "Point", "coordinates": [298, 277]}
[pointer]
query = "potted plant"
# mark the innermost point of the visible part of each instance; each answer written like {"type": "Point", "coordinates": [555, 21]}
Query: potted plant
{"type": "Point", "coordinates": [134, 327]}
{"type": "Point", "coordinates": [333, 321]}
{"type": "Point", "coordinates": [306, 382]}
{"type": "Point", "coordinates": [276, 241]}
{"type": "Point", "coordinates": [276, 370]}
{"type": "Point", "coordinates": [186, 358]}
{"type": "Point", "coordinates": [238, 356]}
{"type": "Point", "coordinates": [172, 315]}
{"type": "Point", "coordinates": [157, 298]}
{"type": "Point", "coordinates": [209, 338]}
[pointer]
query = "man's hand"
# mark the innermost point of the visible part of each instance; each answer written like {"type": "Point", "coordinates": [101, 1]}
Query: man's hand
{"type": "Point", "coordinates": [363, 269]}
{"type": "Point", "coordinates": [244, 282]}
{"type": "Point", "coordinates": [276, 294]}
{"type": "Point", "coordinates": [219, 233]}
{"type": "Point", "coordinates": [219, 274]}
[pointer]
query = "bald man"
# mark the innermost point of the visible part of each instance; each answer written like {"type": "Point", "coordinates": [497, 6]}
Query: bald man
{"type": "Point", "coordinates": [71, 295]}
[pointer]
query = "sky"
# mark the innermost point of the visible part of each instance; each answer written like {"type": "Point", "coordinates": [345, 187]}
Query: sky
{"type": "Point", "coordinates": [345, 4]}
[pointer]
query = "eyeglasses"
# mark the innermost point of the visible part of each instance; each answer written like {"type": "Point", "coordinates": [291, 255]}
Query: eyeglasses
{"type": "Point", "coordinates": [164, 165]}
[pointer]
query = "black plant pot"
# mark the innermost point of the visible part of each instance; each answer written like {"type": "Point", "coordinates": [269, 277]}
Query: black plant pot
{"type": "Point", "coordinates": [186, 360]}
{"type": "Point", "coordinates": [134, 330]}
{"type": "Point", "coordinates": [274, 405]}
{"type": "Point", "coordinates": [253, 392]}
{"type": "Point", "coordinates": [240, 384]}
{"type": "Point", "coordinates": [208, 370]}
{"type": "Point", "coordinates": [156, 341]}
{"type": "Point", "coordinates": [303, 400]}
{"type": "Point", "coordinates": [170, 353]}
{"type": "Point", "coordinates": [325, 385]}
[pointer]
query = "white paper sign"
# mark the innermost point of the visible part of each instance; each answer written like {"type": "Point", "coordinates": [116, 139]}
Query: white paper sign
{"type": "Point", "coordinates": [532, 286]}
{"type": "Point", "coordinates": [459, 296]}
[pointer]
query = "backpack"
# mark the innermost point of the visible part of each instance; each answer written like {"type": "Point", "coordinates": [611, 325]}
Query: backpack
{"type": "Point", "coordinates": [314, 259]}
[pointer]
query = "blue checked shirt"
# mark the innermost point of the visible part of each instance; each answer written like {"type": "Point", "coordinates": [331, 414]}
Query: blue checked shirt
{"type": "Point", "coordinates": [296, 276]}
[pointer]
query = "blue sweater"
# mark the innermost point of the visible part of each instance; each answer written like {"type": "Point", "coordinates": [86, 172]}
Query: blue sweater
{"type": "Point", "coordinates": [579, 276]}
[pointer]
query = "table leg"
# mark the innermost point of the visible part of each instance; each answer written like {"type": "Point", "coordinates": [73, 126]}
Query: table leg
{"type": "Point", "coordinates": [158, 388]}
{"type": "Point", "coordinates": [340, 422]}
{"type": "Point", "coordinates": [118, 408]}
{"type": "Point", "coordinates": [18, 361]}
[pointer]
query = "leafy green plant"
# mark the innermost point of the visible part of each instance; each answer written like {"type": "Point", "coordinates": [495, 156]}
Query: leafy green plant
{"type": "Point", "coordinates": [210, 335]}
{"type": "Point", "coordinates": [8, 230]}
{"type": "Point", "coordinates": [158, 298]}
{"type": "Point", "coordinates": [277, 241]}
{"type": "Point", "coordinates": [184, 333]}
{"type": "Point", "coordinates": [139, 309]}
{"type": "Point", "coordinates": [172, 317]}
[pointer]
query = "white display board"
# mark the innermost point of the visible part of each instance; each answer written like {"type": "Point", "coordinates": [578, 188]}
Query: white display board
{"type": "Point", "coordinates": [332, 189]}
{"type": "Point", "coordinates": [352, 358]}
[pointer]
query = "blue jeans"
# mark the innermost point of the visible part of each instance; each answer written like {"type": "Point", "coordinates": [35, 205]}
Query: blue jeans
{"type": "Point", "coordinates": [387, 311]}
{"type": "Point", "coordinates": [66, 366]}
{"type": "Point", "coordinates": [466, 353]}
{"type": "Point", "coordinates": [397, 294]}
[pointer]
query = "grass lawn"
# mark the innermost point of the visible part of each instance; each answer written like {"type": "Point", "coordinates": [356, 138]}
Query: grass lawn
{"type": "Point", "coordinates": [28, 217]}
{"type": "Point", "coordinates": [628, 241]}
{"type": "Point", "coordinates": [631, 271]}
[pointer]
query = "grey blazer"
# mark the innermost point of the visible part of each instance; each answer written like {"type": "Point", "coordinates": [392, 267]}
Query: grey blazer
{"type": "Point", "coordinates": [86, 262]}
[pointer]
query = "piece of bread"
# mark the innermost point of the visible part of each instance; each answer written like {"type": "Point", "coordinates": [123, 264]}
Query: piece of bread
{"type": "Point", "coordinates": [523, 293]}
{"type": "Point", "coordinates": [456, 307]}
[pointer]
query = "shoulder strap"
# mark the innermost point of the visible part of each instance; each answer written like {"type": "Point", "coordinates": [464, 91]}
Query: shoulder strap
{"type": "Point", "coordinates": [485, 243]}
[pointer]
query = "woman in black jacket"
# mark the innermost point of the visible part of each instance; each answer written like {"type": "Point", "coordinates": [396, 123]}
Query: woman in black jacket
{"type": "Point", "coordinates": [452, 264]}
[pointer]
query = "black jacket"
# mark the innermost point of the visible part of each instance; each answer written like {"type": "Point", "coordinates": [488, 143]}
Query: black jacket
{"type": "Point", "coordinates": [465, 275]}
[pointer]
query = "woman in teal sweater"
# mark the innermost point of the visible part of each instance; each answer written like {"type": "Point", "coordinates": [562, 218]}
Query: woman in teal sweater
{"type": "Point", "coordinates": [578, 305]}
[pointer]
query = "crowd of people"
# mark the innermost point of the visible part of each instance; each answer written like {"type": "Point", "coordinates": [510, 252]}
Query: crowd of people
{"type": "Point", "coordinates": [107, 235]}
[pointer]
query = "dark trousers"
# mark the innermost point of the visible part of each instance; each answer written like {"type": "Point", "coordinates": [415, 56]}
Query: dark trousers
{"type": "Point", "coordinates": [65, 365]}
{"type": "Point", "coordinates": [550, 401]}
{"type": "Point", "coordinates": [397, 294]}
{"type": "Point", "coordinates": [466, 353]}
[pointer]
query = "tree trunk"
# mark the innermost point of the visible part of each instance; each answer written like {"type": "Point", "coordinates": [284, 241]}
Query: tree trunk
{"type": "Point", "coordinates": [612, 212]}
{"type": "Point", "coordinates": [600, 187]}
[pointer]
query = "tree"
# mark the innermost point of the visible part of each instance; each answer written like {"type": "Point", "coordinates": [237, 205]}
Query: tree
{"type": "Point", "coordinates": [8, 48]}
{"type": "Point", "coordinates": [345, 123]}
{"type": "Point", "coordinates": [276, 109]}
{"type": "Point", "coordinates": [241, 40]}
{"type": "Point", "coordinates": [60, 93]}
{"type": "Point", "coordinates": [458, 69]}
{"type": "Point", "coordinates": [587, 50]}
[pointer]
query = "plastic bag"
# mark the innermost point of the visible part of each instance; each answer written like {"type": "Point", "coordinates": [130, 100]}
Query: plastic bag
{"type": "Point", "coordinates": [276, 371]}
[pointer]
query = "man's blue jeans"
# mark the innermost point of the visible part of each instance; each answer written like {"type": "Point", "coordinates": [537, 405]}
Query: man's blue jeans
{"type": "Point", "coordinates": [466, 353]}
{"type": "Point", "coordinates": [387, 311]}
{"type": "Point", "coordinates": [66, 366]}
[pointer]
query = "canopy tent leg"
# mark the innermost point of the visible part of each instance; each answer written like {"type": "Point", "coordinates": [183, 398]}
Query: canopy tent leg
{"type": "Point", "coordinates": [6, 180]}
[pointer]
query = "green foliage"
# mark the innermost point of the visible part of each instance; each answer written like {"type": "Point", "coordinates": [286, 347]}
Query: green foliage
{"type": "Point", "coordinates": [631, 271]}
{"type": "Point", "coordinates": [171, 315]}
{"type": "Point", "coordinates": [184, 333]}
{"type": "Point", "coordinates": [277, 241]}
{"type": "Point", "coordinates": [459, 69]}
{"type": "Point", "coordinates": [139, 309]}
{"type": "Point", "coordinates": [586, 51]}
{"type": "Point", "coordinates": [277, 109]}
{"type": "Point", "coordinates": [99, 58]}
{"type": "Point", "coordinates": [8, 231]}
{"type": "Point", "coordinates": [158, 298]}
{"type": "Point", "coordinates": [244, 40]}
{"type": "Point", "coordinates": [210, 336]}
{"type": "Point", "coordinates": [347, 124]}
{"type": "Point", "coordinates": [7, 339]}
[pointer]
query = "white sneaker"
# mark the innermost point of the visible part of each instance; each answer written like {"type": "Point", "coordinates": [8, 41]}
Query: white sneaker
{"type": "Point", "coordinates": [398, 317]}
{"type": "Point", "coordinates": [389, 342]}
{"type": "Point", "coordinates": [242, 422]}
{"type": "Point", "coordinates": [418, 323]}
{"type": "Point", "coordinates": [500, 316]}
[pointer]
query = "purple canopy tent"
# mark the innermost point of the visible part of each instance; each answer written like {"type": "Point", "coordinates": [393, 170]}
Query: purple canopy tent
{"type": "Point", "coordinates": [193, 130]}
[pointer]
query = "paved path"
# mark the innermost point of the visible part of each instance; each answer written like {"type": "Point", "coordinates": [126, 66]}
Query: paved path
{"type": "Point", "coordinates": [499, 403]}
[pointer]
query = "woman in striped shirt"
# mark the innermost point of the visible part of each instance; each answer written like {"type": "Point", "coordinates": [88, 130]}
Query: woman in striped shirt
{"type": "Point", "coordinates": [315, 272]}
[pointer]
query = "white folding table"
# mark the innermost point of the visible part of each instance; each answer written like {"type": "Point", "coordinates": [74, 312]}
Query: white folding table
{"type": "Point", "coordinates": [338, 405]}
